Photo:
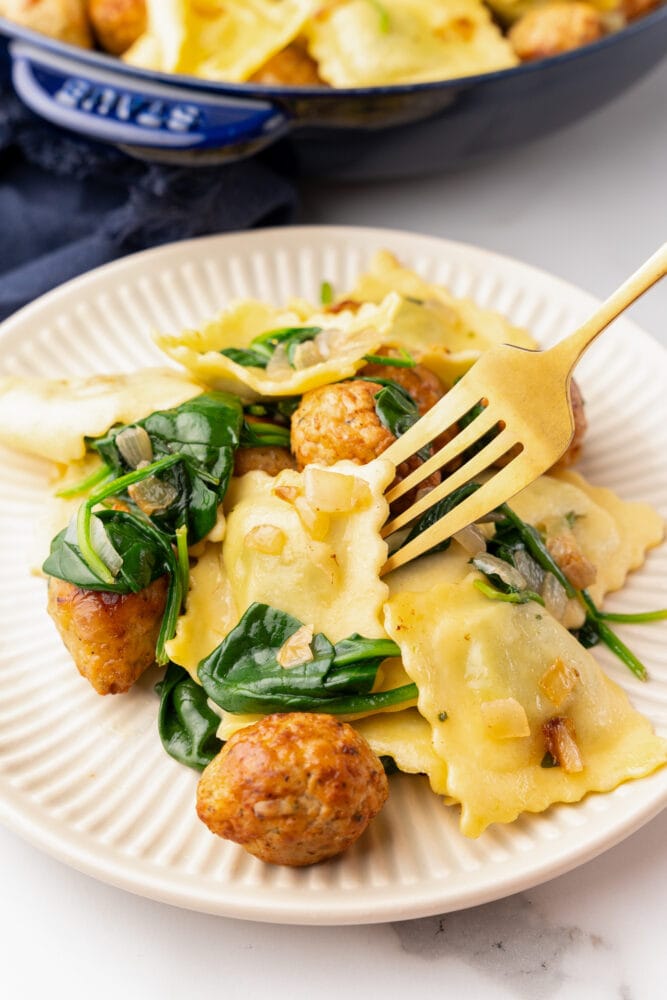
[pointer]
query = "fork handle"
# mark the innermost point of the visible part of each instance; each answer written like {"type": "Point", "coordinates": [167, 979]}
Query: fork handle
{"type": "Point", "coordinates": [571, 348]}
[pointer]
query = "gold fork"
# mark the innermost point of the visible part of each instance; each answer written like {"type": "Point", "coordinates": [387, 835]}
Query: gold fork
{"type": "Point", "coordinates": [519, 398]}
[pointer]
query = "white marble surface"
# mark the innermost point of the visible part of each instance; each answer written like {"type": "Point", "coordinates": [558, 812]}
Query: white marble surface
{"type": "Point", "coordinates": [588, 205]}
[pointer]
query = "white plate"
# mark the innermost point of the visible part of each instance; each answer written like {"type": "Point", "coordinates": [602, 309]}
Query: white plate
{"type": "Point", "coordinates": [85, 778]}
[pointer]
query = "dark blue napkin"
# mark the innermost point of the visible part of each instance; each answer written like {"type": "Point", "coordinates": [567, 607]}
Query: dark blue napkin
{"type": "Point", "coordinates": [68, 205]}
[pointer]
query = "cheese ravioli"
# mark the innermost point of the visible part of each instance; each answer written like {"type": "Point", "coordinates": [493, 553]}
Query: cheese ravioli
{"type": "Point", "coordinates": [357, 43]}
{"type": "Point", "coordinates": [474, 659]}
{"type": "Point", "coordinates": [217, 39]}
{"type": "Point", "coordinates": [444, 333]}
{"type": "Point", "coordinates": [339, 350]}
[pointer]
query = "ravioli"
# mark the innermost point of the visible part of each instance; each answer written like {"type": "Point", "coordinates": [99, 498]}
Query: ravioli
{"type": "Point", "coordinates": [445, 333]}
{"type": "Point", "coordinates": [210, 612]}
{"type": "Point", "coordinates": [612, 533]}
{"type": "Point", "coordinates": [52, 417]}
{"type": "Point", "coordinates": [357, 43]}
{"type": "Point", "coordinates": [330, 581]}
{"type": "Point", "coordinates": [217, 39]}
{"type": "Point", "coordinates": [467, 653]}
{"type": "Point", "coordinates": [346, 337]}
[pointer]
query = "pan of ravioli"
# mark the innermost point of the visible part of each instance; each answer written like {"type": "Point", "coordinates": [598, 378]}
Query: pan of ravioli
{"type": "Point", "coordinates": [222, 518]}
{"type": "Point", "coordinates": [208, 81]}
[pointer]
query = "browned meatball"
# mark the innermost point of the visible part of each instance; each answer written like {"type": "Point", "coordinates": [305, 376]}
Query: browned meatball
{"type": "Point", "coordinates": [111, 637]}
{"type": "Point", "coordinates": [554, 28]}
{"type": "Point", "coordinates": [293, 789]}
{"type": "Point", "coordinates": [271, 460]}
{"type": "Point", "coordinates": [117, 23]}
{"type": "Point", "coordinates": [339, 421]}
{"type": "Point", "coordinates": [423, 385]}
{"type": "Point", "coordinates": [292, 67]}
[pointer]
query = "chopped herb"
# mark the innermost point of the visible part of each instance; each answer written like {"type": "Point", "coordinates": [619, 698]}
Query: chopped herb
{"type": "Point", "coordinates": [326, 293]}
{"type": "Point", "coordinates": [549, 760]}
{"type": "Point", "coordinates": [442, 716]}
{"type": "Point", "coordinates": [383, 14]}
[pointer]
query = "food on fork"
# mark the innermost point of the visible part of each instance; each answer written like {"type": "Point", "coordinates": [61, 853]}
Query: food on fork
{"type": "Point", "coordinates": [227, 524]}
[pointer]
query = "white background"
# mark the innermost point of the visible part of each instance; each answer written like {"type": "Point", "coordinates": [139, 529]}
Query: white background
{"type": "Point", "coordinates": [588, 204]}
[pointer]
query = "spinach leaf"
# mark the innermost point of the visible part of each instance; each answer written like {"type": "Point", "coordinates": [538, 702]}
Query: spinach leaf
{"type": "Point", "coordinates": [512, 530]}
{"type": "Point", "coordinates": [256, 434]}
{"type": "Point", "coordinates": [437, 511]}
{"type": "Point", "coordinates": [145, 557]}
{"type": "Point", "coordinates": [395, 408]}
{"type": "Point", "coordinates": [247, 357]}
{"type": "Point", "coordinates": [243, 674]}
{"type": "Point", "coordinates": [204, 433]}
{"type": "Point", "coordinates": [404, 360]}
{"type": "Point", "coordinates": [146, 554]}
{"type": "Point", "coordinates": [291, 334]}
{"type": "Point", "coordinates": [186, 724]}
{"type": "Point", "coordinates": [496, 590]}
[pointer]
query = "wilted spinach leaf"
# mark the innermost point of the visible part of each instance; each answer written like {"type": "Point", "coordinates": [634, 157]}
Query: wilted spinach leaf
{"type": "Point", "coordinates": [186, 724]}
{"type": "Point", "coordinates": [438, 511]}
{"type": "Point", "coordinates": [205, 433]}
{"type": "Point", "coordinates": [243, 674]}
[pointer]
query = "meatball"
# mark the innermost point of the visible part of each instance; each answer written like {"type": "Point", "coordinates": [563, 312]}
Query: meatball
{"type": "Point", "coordinates": [117, 23]}
{"type": "Point", "coordinates": [62, 19]}
{"type": "Point", "coordinates": [110, 636]}
{"type": "Point", "coordinates": [423, 385]}
{"type": "Point", "coordinates": [292, 67]}
{"type": "Point", "coordinates": [554, 28]}
{"type": "Point", "coordinates": [293, 789]}
{"type": "Point", "coordinates": [271, 460]}
{"type": "Point", "coordinates": [337, 422]}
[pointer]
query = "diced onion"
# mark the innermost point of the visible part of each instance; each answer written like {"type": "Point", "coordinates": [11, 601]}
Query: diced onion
{"type": "Point", "coordinates": [266, 538]}
{"type": "Point", "coordinates": [103, 547]}
{"type": "Point", "coordinates": [306, 355]}
{"type": "Point", "coordinates": [315, 522]}
{"type": "Point", "coordinates": [558, 682]}
{"type": "Point", "coordinates": [574, 615]}
{"type": "Point", "coordinates": [135, 446]}
{"type": "Point", "coordinates": [296, 650]}
{"type": "Point", "coordinates": [505, 718]}
{"type": "Point", "coordinates": [471, 539]}
{"type": "Point", "coordinates": [555, 596]}
{"type": "Point", "coordinates": [561, 741]}
{"type": "Point", "coordinates": [330, 492]}
{"type": "Point", "coordinates": [279, 363]}
{"type": "Point", "coordinates": [286, 493]}
{"type": "Point", "coordinates": [153, 494]}
{"type": "Point", "coordinates": [493, 566]}
{"type": "Point", "coordinates": [527, 566]}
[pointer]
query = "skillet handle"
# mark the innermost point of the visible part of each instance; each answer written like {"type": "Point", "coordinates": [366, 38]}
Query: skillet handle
{"type": "Point", "coordinates": [152, 117]}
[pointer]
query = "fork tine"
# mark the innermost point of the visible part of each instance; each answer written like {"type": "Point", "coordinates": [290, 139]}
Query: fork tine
{"type": "Point", "coordinates": [471, 509]}
{"type": "Point", "coordinates": [446, 412]}
{"type": "Point", "coordinates": [475, 430]}
{"type": "Point", "coordinates": [473, 467]}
